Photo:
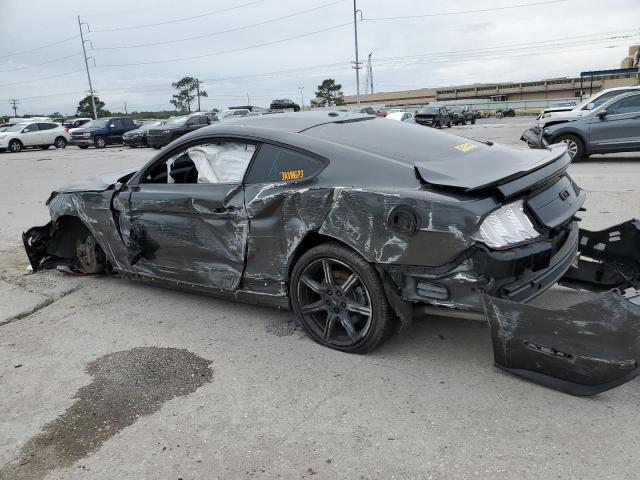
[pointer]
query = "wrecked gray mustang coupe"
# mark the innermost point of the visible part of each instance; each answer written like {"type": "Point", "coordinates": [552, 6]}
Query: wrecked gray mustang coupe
{"type": "Point", "coordinates": [353, 222]}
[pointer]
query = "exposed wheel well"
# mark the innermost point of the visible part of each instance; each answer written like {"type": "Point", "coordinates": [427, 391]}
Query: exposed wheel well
{"type": "Point", "coordinates": [68, 231]}
{"type": "Point", "coordinates": [312, 239]}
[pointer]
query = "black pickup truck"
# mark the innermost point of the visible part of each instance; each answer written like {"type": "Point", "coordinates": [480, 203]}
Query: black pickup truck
{"type": "Point", "coordinates": [175, 127]}
{"type": "Point", "coordinates": [433, 116]}
{"type": "Point", "coordinates": [461, 115]}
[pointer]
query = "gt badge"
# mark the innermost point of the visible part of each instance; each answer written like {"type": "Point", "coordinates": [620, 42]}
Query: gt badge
{"type": "Point", "coordinates": [291, 175]}
{"type": "Point", "coordinates": [465, 147]}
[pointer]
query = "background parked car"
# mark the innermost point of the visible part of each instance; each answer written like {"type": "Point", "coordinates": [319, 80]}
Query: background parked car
{"type": "Point", "coordinates": [505, 112]}
{"type": "Point", "coordinates": [610, 128]}
{"type": "Point", "coordinates": [433, 116]}
{"type": "Point", "coordinates": [232, 113]}
{"type": "Point", "coordinates": [550, 116]}
{"type": "Point", "coordinates": [33, 134]}
{"type": "Point", "coordinates": [138, 137]}
{"type": "Point", "coordinates": [373, 111]}
{"type": "Point", "coordinates": [102, 132]}
{"type": "Point", "coordinates": [461, 115]}
{"type": "Point", "coordinates": [173, 128]}
{"type": "Point", "coordinates": [284, 104]}
{"type": "Point", "coordinates": [70, 123]}
{"type": "Point", "coordinates": [401, 116]}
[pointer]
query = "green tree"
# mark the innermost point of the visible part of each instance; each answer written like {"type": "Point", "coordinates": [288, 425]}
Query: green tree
{"type": "Point", "coordinates": [85, 109]}
{"type": "Point", "coordinates": [188, 91]}
{"type": "Point", "coordinates": [55, 115]}
{"type": "Point", "coordinates": [330, 93]}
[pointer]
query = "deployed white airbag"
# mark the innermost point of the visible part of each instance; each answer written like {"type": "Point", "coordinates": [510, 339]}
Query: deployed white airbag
{"type": "Point", "coordinates": [224, 163]}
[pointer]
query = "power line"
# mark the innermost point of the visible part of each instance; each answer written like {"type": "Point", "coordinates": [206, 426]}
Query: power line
{"type": "Point", "coordinates": [183, 19]}
{"type": "Point", "coordinates": [39, 48]}
{"type": "Point", "coordinates": [176, 59]}
{"type": "Point", "coordinates": [236, 29]}
{"type": "Point", "coordinates": [43, 63]}
{"type": "Point", "coordinates": [460, 12]}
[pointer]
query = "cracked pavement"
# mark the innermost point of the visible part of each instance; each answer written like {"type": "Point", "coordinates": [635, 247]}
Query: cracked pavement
{"type": "Point", "coordinates": [428, 404]}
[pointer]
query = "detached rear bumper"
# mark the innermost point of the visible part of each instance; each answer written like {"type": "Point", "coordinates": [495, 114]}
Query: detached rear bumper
{"type": "Point", "coordinates": [590, 346]}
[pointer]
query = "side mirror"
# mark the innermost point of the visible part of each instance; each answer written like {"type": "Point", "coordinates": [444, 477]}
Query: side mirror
{"type": "Point", "coordinates": [590, 106]}
{"type": "Point", "coordinates": [601, 114]}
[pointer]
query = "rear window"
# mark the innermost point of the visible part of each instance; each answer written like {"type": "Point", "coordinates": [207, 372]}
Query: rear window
{"type": "Point", "coordinates": [274, 164]}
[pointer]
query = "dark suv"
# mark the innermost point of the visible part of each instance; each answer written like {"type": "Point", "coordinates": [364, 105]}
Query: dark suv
{"type": "Point", "coordinates": [102, 132]}
{"type": "Point", "coordinates": [461, 115]}
{"type": "Point", "coordinates": [175, 127]}
{"type": "Point", "coordinates": [433, 116]}
{"type": "Point", "coordinates": [284, 104]}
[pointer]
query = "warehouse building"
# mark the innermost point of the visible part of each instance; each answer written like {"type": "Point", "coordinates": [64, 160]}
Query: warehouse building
{"type": "Point", "coordinates": [542, 91]}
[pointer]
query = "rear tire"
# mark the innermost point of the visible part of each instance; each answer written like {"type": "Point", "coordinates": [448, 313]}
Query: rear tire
{"type": "Point", "coordinates": [339, 299]}
{"type": "Point", "coordinates": [575, 147]}
{"type": "Point", "coordinates": [100, 142]}
{"type": "Point", "coordinates": [60, 142]}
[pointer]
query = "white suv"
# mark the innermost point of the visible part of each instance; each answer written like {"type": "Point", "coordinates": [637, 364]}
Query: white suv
{"type": "Point", "coordinates": [33, 134]}
{"type": "Point", "coordinates": [562, 114]}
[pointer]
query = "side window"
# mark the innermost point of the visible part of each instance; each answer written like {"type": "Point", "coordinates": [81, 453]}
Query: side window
{"type": "Point", "coordinates": [277, 164]}
{"type": "Point", "coordinates": [211, 162]}
{"type": "Point", "coordinates": [606, 97]}
{"type": "Point", "coordinates": [627, 105]}
{"type": "Point", "coordinates": [46, 126]}
{"type": "Point", "coordinates": [203, 120]}
{"type": "Point", "coordinates": [31, 128]}
{"type": "Point", "coordinates": [116, 122]}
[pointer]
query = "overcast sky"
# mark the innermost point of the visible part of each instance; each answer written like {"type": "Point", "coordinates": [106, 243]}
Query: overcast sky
{"type": "Point", "coordinates": [314, 41]}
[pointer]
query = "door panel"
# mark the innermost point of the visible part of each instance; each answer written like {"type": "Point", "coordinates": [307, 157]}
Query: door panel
{"type": "Point", "coordinates": [619, 129]}
{"type": "Point", "coordinates": [30, 135]}
{"type": "Point", "coordinates": [194, 233]}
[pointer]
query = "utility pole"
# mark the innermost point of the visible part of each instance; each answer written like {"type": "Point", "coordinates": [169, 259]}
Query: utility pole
{"type": "Point", "coordinates": [357, 62]}
{"type": "Point", "coordinates": [301, 98]}
{"type": "Point", "coordinates": [125, 108]}
{"type": "Point", "coordinates": [248, 102]}
{"type": "Point", "coordinates": [14, 104]}
{"type": "Point", "coordinates": [86, 64]}
{"type": "Point", "coordinates": [198, 92]}
{"type": "Point", "coordinates": [370, 72]}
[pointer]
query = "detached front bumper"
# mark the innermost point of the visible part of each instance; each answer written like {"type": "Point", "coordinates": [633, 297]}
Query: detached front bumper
{"type": "Point", "coordinates": [534, 138]}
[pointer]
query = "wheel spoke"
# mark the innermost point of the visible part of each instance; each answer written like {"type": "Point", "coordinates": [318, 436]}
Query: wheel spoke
{"type": "Point", "coordinates": [356, 307]}
{"type": "Point", "coordinates": [349, 283]}
{"type": "Point", "coordinates": [328, 327]}
{"type": "Point", "coordinates": [328, 272]}
{"type": "Point", "coordinates": [313, 307]}
{"type": "Point", "coordinates": [345, 321]}
{"type": "Point", "coordinates": [312, 284]}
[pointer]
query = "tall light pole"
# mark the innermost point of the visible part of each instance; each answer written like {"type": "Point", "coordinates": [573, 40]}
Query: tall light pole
{"type": "Point", "coordinates": [86, 64]}
{"type": "Point", "coordinates": [198, 92]}
{"type": "Point", "coordinates": [301, 98]}
{"type": "Point", "coordinates": [357, 63]}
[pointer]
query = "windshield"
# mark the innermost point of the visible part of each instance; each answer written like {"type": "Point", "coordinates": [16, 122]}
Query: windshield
{"type": "Point", "coordinates": [429, 110]}
{"type": "Point", "coordinates": [17, 127]}
{"type": "Point", "coordinates": [176, 121]}
{"type": "Point", "coordinates": [96, 124]}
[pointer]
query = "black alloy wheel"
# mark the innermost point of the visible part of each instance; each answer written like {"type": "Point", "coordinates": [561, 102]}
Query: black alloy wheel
{"type": "Point", "coordinates": [339, 299]}
{"type": "Point", "coordinates": [60, 142]}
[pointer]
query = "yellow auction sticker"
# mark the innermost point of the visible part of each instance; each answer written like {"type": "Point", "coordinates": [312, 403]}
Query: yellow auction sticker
{"type": "Point", "coordinates": [465, 147]}
{"type": "Point", "coordinates": [291, 175]}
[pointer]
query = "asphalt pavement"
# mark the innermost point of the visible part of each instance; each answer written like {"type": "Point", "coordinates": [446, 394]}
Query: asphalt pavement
{"type": "Point", "coordinates": [103, 378]}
